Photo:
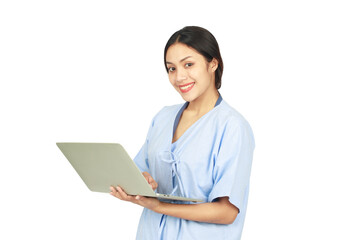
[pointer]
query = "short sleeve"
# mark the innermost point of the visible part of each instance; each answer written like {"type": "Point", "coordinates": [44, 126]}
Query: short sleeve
{"type": "Point", "coordinates": [232, 164]}
{"type": "Point", "coordinates": [141, 159]}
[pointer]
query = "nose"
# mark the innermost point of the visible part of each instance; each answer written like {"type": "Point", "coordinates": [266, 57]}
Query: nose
{"type": "Point", "coordinates": [181, 75]}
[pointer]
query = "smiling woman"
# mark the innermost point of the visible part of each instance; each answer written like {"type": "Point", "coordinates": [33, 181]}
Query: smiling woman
{"type": "Point", "coordinates": [203, 42]}
{"type": "Point", "coordinates": [189, 70]}
{"type": "Point", "coordinates": [201, 149]}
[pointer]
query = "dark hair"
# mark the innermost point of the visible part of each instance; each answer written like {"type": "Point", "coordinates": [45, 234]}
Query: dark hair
{"type": "Point", "coordinates": [203, 42]}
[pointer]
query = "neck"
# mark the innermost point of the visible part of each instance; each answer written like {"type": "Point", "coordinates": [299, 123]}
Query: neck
{"type": "Point", "coordinates": [204, 103]}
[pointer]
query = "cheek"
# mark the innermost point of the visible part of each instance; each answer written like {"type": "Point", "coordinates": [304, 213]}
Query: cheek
{"type": "Point", "coordinates": [171, 80]}
{"type": "Point", "coordinates": [198, 76]}
{"type": "Point", "coordinates": [198, 73]}
{"type": "Point", "coordinates": [193, 74]}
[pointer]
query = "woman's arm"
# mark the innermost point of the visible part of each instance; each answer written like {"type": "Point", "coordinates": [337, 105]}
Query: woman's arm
{"type": "Point", "coordinates": [220, 212]}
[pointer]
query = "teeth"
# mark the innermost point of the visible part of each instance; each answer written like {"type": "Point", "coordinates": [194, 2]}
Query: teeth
{"type": "Point", "coordinates": [186, 87]}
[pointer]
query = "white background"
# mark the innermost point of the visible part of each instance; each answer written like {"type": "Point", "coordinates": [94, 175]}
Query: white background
{"type": "Point", "coordinates": [93, 71]}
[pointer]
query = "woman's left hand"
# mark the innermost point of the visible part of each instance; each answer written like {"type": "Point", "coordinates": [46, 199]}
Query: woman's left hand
{"type": "Point", "coordinates": [147, 202]}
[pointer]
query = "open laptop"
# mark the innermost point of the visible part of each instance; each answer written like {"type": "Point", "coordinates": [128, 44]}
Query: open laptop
{"type": "Point", "coordinates": [101, 165]}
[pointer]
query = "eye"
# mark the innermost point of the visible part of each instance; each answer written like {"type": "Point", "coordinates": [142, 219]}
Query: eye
{"type": "Point", "coordinates": [171, 69]}
{"type": "Point", "coordinates": [188, 64]}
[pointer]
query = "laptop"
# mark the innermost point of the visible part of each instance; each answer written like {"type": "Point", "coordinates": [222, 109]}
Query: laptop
{"type": "Point", "coordinates": [101, 165]}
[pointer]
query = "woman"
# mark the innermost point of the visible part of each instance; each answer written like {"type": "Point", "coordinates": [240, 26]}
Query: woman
{"type": "Point", "coordinates": [201, 149]}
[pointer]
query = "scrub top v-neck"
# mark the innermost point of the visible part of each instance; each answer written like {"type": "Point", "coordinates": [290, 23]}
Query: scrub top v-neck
{"type": "Point", "coordinates": [178, 116]}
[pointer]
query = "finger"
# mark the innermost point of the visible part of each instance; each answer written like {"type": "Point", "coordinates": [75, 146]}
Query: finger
{"type": "Point", "coordinates": [112, 190]}
{"type": "Point", "coordinates": [116, 193]}
{"type": "Point", "coordinates": [148, 178]}
{"type": "Point", "coordinates": [121, 192]}
{"type": "Point", "coordinates": [124, 195]}
{"type": "Point", "coordinates": [153, 185]}
{"type": "Point", "coordinates": [152, 182]}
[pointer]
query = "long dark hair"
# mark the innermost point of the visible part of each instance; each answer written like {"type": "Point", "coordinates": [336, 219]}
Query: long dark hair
{"type": "Point", "coordinates": [203, 42]}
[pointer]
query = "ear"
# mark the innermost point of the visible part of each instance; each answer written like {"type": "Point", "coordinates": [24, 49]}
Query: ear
{"type": "Point", "coordinates": [213, 64]}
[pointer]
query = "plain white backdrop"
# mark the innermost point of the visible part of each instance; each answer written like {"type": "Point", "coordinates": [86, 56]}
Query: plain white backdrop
{"type": "Point", "coordinates": [93, 71]}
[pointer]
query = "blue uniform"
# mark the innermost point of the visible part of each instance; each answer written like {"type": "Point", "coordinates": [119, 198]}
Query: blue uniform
{"type": "Point", "coordinates": [211, 159]}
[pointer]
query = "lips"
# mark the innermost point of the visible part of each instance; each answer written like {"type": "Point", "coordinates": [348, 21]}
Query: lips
{"type": "Point", "coordinates": [186, 87]}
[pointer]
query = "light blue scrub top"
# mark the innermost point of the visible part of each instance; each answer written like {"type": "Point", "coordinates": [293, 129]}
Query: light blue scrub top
{"type": "Point", "coordinates": [211, 159]}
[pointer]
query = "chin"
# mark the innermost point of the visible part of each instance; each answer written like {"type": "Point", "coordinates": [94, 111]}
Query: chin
{"type": "Point", "coordinates": [188, 97]}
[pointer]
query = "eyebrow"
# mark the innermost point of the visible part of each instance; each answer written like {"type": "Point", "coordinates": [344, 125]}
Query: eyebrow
{"type": "Point", "coordinates": [180, 60]}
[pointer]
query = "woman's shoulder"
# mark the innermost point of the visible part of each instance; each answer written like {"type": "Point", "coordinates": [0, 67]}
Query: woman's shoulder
{"type": "Point", "coordinates": [230, 115]}
{"type": "Point", "coordinates": [235, 122]}
{"type": "Point", "coordinates": [168, 111]}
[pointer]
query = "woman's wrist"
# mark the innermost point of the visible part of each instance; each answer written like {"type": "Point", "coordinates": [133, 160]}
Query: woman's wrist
{"type": "Point", "coordinates": [158, 208]}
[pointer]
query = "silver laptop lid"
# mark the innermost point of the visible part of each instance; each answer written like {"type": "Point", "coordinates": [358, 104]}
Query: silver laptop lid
{"type": "Point", "coordinates": [101, 165]}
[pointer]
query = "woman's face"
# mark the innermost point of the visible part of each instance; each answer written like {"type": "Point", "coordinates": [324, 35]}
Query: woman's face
{"type": "Point", "coordinates": [189, 72]}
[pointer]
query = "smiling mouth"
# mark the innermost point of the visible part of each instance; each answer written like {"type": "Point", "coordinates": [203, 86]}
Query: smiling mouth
{"type": "Point", "coordinates": [186, 87]}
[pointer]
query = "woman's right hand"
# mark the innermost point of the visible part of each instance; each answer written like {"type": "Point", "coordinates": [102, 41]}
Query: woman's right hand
{"type": "Point", "coordinates": [150, 180]}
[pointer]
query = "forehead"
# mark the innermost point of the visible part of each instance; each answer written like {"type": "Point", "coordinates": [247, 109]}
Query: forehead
{"type": "Point", "coordinates": [179, 51]}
